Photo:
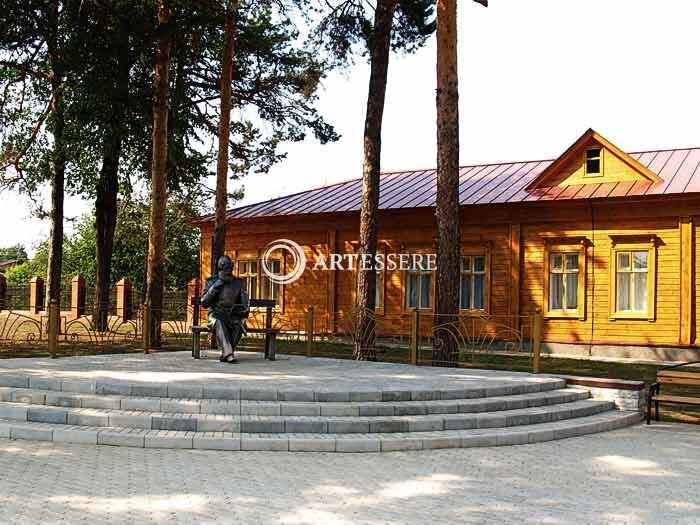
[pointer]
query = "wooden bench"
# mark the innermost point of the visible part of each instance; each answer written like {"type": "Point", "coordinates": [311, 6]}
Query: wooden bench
{"type": "Point", "coordinates": [673, 376]}
{"type": "Point", "coordinates": [269, 332]}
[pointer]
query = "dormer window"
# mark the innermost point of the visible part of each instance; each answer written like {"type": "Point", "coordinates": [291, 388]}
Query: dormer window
{"type": "Point", "coordinates": [593, 158]}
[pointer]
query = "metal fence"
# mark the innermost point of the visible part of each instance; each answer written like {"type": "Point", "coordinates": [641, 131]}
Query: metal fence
{"type": "Point", "coordinates": [417, 337]}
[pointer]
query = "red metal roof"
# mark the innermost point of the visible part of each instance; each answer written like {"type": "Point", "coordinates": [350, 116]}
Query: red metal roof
{"type": "Point", "coordinates": [679, 170]}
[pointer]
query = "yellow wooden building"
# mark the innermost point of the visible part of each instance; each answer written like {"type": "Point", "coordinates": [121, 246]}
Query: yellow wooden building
{"type": "Point", "coordinates": [602, 242]}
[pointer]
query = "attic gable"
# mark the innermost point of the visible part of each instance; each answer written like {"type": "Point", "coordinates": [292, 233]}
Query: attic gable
{"type": "Point", "coordinates": [592, 159]}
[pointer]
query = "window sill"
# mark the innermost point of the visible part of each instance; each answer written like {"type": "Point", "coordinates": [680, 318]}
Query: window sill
{"type": "Point", "coordinates": [474, 313]}
{"type": "Point", "coordinates": [631, 316]}
{"type": "Point", "coordinates": [561, 314]}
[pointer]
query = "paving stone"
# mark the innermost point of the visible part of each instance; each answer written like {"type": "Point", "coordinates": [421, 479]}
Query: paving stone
{"type": "Point", "coordinates": [365, 396]}
{"type": "Point", "coordinates": [442, 442]}
{"type": "Point", "coordinates": [348, 426]}
{"type": "Point", "coordinates": [298, 395]}
{"type": "Point", "coordinates": [173, 423]}
{"type": "Point", "coordinates": [58, 399]}
{"type": "Point", "coordinates": [513, 437]}
{"type": "Point", "coordinates": [262, 426]}
{"type": "Point", "coordinates": [396, 395]}
{"type": "Point", "coordinates": [311, 445]}
{"type": "Point", "coordinates": [220, 392]}
{"type": "Point", "coordinates": [305, 426]}
{"type": "Point", "coordinates": [150, 390]}
{"type": "Point", "coordinates": [34, 433]}
{"type": "Point", "coordinates": [217, 406]}
{"type": "Point", "coordinates": [389, 444]}
{"type": "Point", "coordinates": [340, 409]}
{"type": "Point", "coordinates": [333, 397]}
{"type": "Point", "coordinates": [46, 415]}
{"type": "Point", "coordinates": [101, 402]}
{"type": "Point", "coordinates": [81, 436]}
{"type": "Point", "coordinates": [379, 409]}
{"type": "Point", "coordinates": [254, 408]}
{"type": "Point", "coordinates": [388, 426]}
{"type": "Point", "coordinates": [300, 409]}
{"type": "Point", "coordinates": [122, 389]}
{"type": "Point", "coordinates": [122, 438]}
{"type": "Point", "coordinates": [410, 410]}
{"type": "Point", "coordinates": [187, 406]}
{"type": "Point", "coordinates": [88, 418]}
{"type": "Point", "coordinates": [136, 403]}
{"type": "Point", "coordinates": [425, 395]}
{"type": "Point", "coordinates": [217, 441]}
{"type": "Point", "coordinates": [44, 383]}
{"type": "Point", "coordinates": [18, 413]}
{"type": "Point", "coordinates": [167, 439]}
{"type": "Point", "coordinates": [459, 423]}
{"type": "Point", "coordinates": [358, 444]}
{"type": "Point", "coordinates": [29, 397]}
{"type": "Point", "coordinates": [218, 425]}
{"type": "Point", "coordinates": [277, 443]}
{"type": "Point", "coordinates": [130, 420]}
{"type": "Point", "coordinates": [78, 387]}
{"type": "Point", "coordinates": [19, 381]}
{"type": "Point", "coordinates": [254, 394]}
{"type": "Point", "coordinates": [185, 391]}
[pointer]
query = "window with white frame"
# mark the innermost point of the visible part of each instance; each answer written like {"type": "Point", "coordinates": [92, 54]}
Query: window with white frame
{"type": "Point", "coordinates": [419, 284]}
{"type": "Point", "coordinates": [472, 284]}
{"type": "Point", "coordinates": [248, 271]}
{"type": "Point", "coordinates": [268, 288]}
{"type": "Point", "coordinates": [631, 281]}
{"type": "Point", "coordinates": [563, 281]}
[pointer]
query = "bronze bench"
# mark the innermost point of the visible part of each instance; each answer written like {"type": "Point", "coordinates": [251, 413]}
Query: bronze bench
{"type": "Point", "coordinates": [673, 376]}
{"type": "Point", "coordinates": [269, 332]}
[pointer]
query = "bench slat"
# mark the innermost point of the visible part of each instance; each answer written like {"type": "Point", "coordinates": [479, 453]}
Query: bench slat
{"type": "Point", "coordinates": [678, 399]}
{"type": "Point", "coordinates": [678, 381]}
{"type": "Point", "coordinates": [679, 373]}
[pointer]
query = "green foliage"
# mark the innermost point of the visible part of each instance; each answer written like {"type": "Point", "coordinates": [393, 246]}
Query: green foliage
{"type": "Point", "coordinates": [130, 248]}
{"type": "Point", "coordinates": [13, 253]}
{"type": "Point", "coordinates": [347, 27]}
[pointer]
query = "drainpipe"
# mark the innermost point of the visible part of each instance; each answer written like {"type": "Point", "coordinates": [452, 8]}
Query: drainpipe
{"type": "Point", "coordinates": [592, 306]}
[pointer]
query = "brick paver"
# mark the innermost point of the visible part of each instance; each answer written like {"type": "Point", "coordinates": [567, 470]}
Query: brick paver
{"type": "Point", "coordinates": [635, 475]}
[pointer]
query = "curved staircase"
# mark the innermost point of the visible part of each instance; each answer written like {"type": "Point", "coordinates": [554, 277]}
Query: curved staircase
{"type": "Point", "coordinates": [219, 417]}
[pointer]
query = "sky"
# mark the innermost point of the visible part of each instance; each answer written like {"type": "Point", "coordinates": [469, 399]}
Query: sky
{"type": "Point", "coordinates": [533, 76]}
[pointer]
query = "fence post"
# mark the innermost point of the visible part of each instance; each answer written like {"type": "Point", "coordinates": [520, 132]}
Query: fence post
{"type": "Point", "coordinates": [309, 330]}
{"type": "Point", "coordinates": [415, 336]}
{"type": "Point", "coordinates": [124, 300]}
{"type": "Point", "coordinates": [77, 296]}
{"type": "Point", "coordinates": [3, 292]}
{"type": "Point", "coordinates": [54, 314]}
{"type": "Point", "coordinates": [146, 324]}
{"type": "Point", "coordinates": [193, 294]}
{"type": "Point", "coordinates": [536, 341]}
{"type": "Point", "coordinates": [36, 295]}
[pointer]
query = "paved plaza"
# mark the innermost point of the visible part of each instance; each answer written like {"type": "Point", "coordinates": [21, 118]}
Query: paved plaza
{"type": "Point", "coordinates": [635, 475]}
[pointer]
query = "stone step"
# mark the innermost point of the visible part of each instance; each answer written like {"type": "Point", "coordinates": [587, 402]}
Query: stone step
{"type": "Point", "coordinates": [382, 442]}
{"type": "Point", "coordinates": [290, 408]}
{"type": "Point", "coordinates": [231, 390]}
{"type": "Point", "coordinates": [299, 424]}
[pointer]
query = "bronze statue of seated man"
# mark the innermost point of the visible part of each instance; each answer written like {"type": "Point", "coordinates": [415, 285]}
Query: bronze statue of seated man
{"type": "Point", "coordinates": [225, 297]}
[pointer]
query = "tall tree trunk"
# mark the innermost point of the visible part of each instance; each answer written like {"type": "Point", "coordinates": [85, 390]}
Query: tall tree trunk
{"type": "Point", "coordinates": [156, 233]}
{"type": "Point", "coordinates": [219, 240]}
{"type": "Point", "coordinates": [108, 188]}
{"type": "Point", "coordinates": [447, 205]}
{"type": "Point", "coordinates": [58, 162]}
{"type": "Point", "coordinates": [366, 275]}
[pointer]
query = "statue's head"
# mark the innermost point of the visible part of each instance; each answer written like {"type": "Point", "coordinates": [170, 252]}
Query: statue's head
{"type": "Point", "coordinates": [225, 265]}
